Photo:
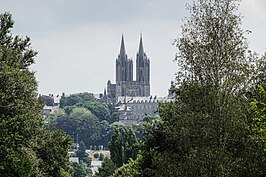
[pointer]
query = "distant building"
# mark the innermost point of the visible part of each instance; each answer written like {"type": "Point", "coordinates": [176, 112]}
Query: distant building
{"type": "Point", "coordinates": [51, 103]}
{"type": "Point", "coordinates": [125, 85]}
{"type": "Point", "coordinates": [132, 110]}
{"type": "Point", "coordinates": [74, 159]}
{"type": "Point", "coordinates": [131, 97]}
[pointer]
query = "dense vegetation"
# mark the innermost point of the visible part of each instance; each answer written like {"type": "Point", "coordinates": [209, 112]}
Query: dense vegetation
{"type": "Point", "coordinates": [26, 147]}
{"type": "Point", "coordinates": [216, 126]}
{"type": "Point", "coordinates": [84, 118]}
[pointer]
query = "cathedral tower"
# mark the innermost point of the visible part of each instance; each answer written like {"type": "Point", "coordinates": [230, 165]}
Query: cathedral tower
{"type": "Point", "coordinates": [125, 85]}
{"type": "Point", "coordinates": [143, 70]}
{"type": "Point", "coordinates": [124, 70]}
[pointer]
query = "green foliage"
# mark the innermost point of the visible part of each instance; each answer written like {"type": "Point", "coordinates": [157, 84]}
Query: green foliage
{"type": "Point", "coordinates": [129, 144]}
{"type": "Point", "coordinates": [59, 113]}
{"type": "Point", "coordinates": [52, 149]}
{"type": "Point", "coordinates": [114, 117]}
{"type": "Point", "coordinates": [68, 109]}
{"type": "Point", "coordinates": [130, 169]}
{"type": "Point", "coordinates": [26, 147]}
{"type": "Point", "coordinates": [259, 127]}
{"type": "Point", "coordinates": [108, 167]}
{"type": "Point", "coordinates": [80, 113]}
{"type": "Point", "coordinates": [76, 99]}
{"type": "Point", "coordinates": [51, 120]}
{"type": "Point", "coordinates": [79, 170]}
{"type": "Point", "coordinates": [123, 145]}
{"type": "Point", "coordinates": [87, 117]}
{"type": "Point", "coordinates": [116, 148]}
{"type": "Point", "coordinates": [100, 110]}
{"type": "Point", "coordinates": [258, 78]}
{"type": "Point", "coordinates": [81, 153]}
{"type": "Point", "coordinates": [212, 46]}
{"type": "Point", "coordinates": [88, 128]}
{"type": "Point", "coordinates": [205, 132]}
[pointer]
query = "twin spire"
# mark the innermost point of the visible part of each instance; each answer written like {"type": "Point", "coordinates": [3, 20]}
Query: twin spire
{"type": "Point", "coordinates": [141, 49]}
{"type": "Point", "coordinates": [123, 50]}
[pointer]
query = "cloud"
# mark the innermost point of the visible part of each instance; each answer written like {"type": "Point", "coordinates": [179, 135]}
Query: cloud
{"type": "Point", "coordinates": [78, 41]}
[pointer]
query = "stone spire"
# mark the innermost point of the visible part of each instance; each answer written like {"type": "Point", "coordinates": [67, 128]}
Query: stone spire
{"type": "Point", "coordinates": [141, 49]}
{"type": "Point", "coordinates": [122, 48]}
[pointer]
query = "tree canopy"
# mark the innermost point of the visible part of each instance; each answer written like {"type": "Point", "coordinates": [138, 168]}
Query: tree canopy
{"type": "Point", "coordinates": [209, 130]}
{"type": "Point", "coordinates": [26, 147]}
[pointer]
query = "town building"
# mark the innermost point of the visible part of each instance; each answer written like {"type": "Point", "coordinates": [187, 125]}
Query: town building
{"type": "Point", "coordinates": [131, 98]}
{"type": "Point", "coordinates": [51, 103]}
{"type": "Point", "coordinates": [125, 85]}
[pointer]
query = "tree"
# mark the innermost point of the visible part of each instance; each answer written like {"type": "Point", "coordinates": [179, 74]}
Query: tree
{"type": "Point", "coordinates": [75, 99]}
{"type": "Point", "coordinates": [81, 153]}
{"type": "Point", "coordinates": [108, 167]}
{"type": "Point", "coordinates": [79, 170]}
{"type": "Point", "coordinates": [51, 120]}
{"type": "Point", "coordinates": [80, 113]}
{"type": "Point", "coordinates": [257, 78]}
{"type": "Point", "coordinates": [100, 110]}
{"type": "Point", "coordinates": [123, 146]}
{"type": "Point", "coordinates": [205, 132]}
{"type": "Point", "coordinates": [130, 144]}
{"type": "Point", "coordinates": [51, 151]}
{"type": "Point", "coordinates": [259, 128]}
{"type": "Point", "coordinates": [116, 148]}
{"type": "Point", "coordinates": [130, 169]}
{"type": "Point", "coordinates": [21, 121]}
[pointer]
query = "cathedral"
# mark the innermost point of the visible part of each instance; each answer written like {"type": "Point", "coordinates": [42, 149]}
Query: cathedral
{"type": "Point", "coordinates": [131, 98]}
{"type": "Point", "coordinates": [125, 85]}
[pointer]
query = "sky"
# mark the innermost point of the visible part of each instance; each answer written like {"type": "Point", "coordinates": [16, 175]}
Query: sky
{"type": "Point", "coordinates": [78, 41]}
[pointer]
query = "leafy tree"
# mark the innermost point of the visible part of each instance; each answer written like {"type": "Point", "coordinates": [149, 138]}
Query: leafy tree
{"type": "Point", "coordinates": [52, 150]}
{"type": "Point", "coordinates": [59, 112]}
{"type": "Point", "coordinates": [81, 153]}
{"type": "Point", "coordinates": [259, 128]}
{"type": "Point", "coordinates": [75, 99]}
{"type": "Point", "coordinates": [67, 124]}
{"type": "Point", "coordinates": [80, 113]}
{"type": "Point", "coordinates": [51, 120]}
{"type": "Point", "coordinates": [108, 167]}
{"type": "Point", "coordinates": [100, 110]}
{"type": "Point", "coordinates": [116, 148]}
{"type": "Point", "coordinates": [23, 139]}
{"type": "Point", "coordinates": [79, 169]}
{"type": "Point", "coordinates": [130, 169]}
{"type": "Point", "coordinates": [68, 110]}
{"type": "Point", "coordinates": [130, 144]}
{"type": "Point", "coordinates": [114, 117]}
{"type": "Point", "coordinates": [88, 129]}
{"type": "Point", "coordinates": [257, 78]}
{"type": "Point", "coordinates": [123, 145]}
{"type": "Point", "coordinates": [205, 132]}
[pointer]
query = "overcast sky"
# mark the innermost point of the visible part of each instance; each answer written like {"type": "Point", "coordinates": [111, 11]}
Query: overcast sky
{"type": "Point", "coordinates": [78, 41]}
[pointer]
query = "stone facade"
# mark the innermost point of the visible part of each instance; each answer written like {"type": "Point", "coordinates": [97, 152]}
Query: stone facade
{"type": "Point", "coordinates": [125, 85]}
{"type": "Point", "coordinates": [131, 98]}
{"type": "Point", "coordinates": [132, 110]}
